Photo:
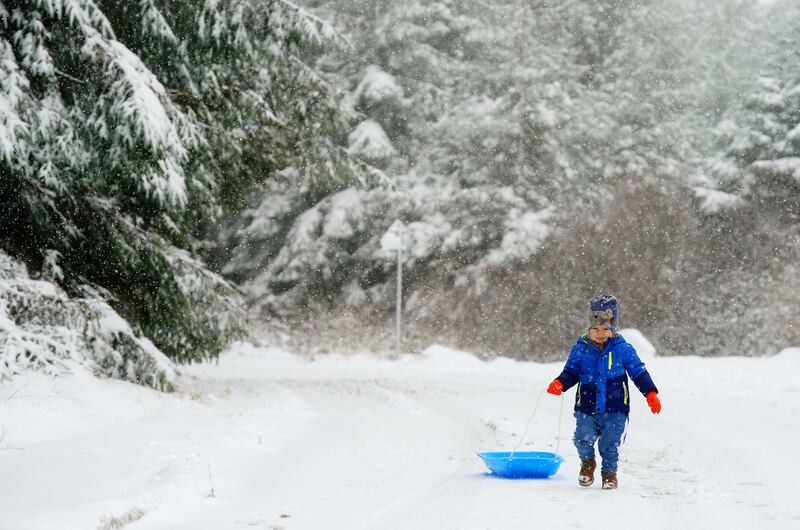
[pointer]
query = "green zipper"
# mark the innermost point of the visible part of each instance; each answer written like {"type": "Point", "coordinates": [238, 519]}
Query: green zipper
{"type": "Point", "coordinates": [609, 359]}
{"type": "Point", "coordinates": [625, 393]}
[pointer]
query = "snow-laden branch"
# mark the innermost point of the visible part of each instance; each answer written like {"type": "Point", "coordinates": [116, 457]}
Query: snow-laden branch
{"type": "Point", "coordinates": [84, 15]}
{"type": "Point", "coordinates": [318, 29]}
{"type": "Point", "coordinates": [13, 86]}
{"type": "Point", "coordinates": [138, 98]}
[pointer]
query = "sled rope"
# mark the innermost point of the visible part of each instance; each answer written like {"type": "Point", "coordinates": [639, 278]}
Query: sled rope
{"type": "Point", "coordinates": [525, 432]}
{"type": "Point", "coordinates": [560, 414]}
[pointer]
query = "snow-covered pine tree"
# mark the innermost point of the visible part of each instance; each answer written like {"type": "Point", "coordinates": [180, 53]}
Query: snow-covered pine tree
{"type": "Point", "coordinates": [495, 112]}
{"type": "Point", "coordinates": [125, 126]}
{"type": "Point", "coordinates": [482, 116]}
{"type": "Point", "coordinates": [760, 165]}
{"type": "Point", "coordinates": [759, 157]}
{"type": "Point", "coordinates": [306, 248]}
{"type": "Point", "coordinates": [42, 328]}
{"type": "Point", "coordinates": [244, 67]}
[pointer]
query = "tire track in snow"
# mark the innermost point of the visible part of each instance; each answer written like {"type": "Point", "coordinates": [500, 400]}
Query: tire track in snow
{"type": "Point", "coordinates": [444, 504]}
{"type": "Point", "coordinates": [368, 463]}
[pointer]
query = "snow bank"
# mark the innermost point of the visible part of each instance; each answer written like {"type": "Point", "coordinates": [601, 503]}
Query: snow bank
{"type": "Point", "coordinates": [643, 347]}
{"type": "Point", "coordinates": [789, 354]}
{"type": "Point", "coordinates": [444, 357]}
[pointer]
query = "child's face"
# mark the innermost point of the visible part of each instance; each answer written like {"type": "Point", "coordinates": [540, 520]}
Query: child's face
{"type": "Point", "coordinates": [600, 334]}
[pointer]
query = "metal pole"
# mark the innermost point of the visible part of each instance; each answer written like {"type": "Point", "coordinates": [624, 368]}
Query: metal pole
{"type": "Point", "coordinates": [398, 296]}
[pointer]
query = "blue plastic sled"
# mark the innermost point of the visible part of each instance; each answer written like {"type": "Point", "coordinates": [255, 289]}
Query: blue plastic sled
{"type": "Point", "coordinates": [522, 464]}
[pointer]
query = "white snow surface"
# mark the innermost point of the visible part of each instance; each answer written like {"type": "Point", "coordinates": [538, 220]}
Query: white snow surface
{"type": "Point", "coordinates": [715, 201]}
{"type": "Point", "coordinates": [786, 166]}
{"type": "Point", "coordinates": [525, 233]}
{"type": "Point", "coordinates": [273, 440]}
{"type": "Point", "coordinates": [369, 140]}
{"type": "Point", "coordinates": [377, 86]}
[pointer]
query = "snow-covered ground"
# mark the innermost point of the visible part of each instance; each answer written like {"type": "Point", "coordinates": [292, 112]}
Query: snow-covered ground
{"type": "Point", "coordinates": [267, 439]}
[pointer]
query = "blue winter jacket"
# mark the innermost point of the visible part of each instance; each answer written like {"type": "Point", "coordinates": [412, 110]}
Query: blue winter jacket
{"type": "Point", "coordinates": [602, 375]}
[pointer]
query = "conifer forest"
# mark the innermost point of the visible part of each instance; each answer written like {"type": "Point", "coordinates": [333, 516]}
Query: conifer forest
{"type": "Point", "coordinates": [175, 176]}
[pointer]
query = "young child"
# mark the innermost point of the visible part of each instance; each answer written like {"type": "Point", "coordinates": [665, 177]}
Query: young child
{"type": "Point", "coordinates": [599, 364]}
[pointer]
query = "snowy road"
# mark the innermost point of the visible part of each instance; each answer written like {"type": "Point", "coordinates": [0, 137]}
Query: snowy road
{"type": "Point", "coordinates": [267, 440]}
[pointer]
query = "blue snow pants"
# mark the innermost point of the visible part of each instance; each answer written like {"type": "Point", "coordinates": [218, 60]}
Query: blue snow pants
{"type": "Point", "coordinates": [606, 429]}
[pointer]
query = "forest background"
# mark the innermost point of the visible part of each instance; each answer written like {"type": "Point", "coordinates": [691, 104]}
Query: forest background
{"type": "Point", "coordinates": [174, 177]}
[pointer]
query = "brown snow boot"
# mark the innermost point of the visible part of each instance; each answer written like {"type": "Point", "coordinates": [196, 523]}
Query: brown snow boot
{"type": "Point", "coordinates": [609, 480]}
{"type": "Point", "coordinates": [586, 476]}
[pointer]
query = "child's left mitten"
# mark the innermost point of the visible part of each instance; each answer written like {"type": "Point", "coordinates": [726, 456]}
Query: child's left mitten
{"type": "Point", "coordinates": [654, 402]}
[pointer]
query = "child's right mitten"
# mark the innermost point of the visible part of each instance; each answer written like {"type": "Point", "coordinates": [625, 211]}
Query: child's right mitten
{"type": "Point", "coordinates": [555, 388]}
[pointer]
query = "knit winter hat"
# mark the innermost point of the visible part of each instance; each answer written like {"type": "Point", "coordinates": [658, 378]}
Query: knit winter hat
{"type": "Point", "coordinates": [603, 311]}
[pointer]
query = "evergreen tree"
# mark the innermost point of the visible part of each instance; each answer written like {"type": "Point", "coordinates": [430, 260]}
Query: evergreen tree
{"type": "Point", "coordinates": [126, 128]}
{"type": "Point", "coordinates": [759, 140]}
{"type": "Point", "coordinates": [42, 328]}
{"type": "Point", "coordinates": [485, 117]}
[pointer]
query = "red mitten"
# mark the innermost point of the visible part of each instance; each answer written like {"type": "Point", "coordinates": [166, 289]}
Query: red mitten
{"type": "Point", "coordinates": [654, 402]}
{"type": "Point", "coordinates": [555, 388]}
